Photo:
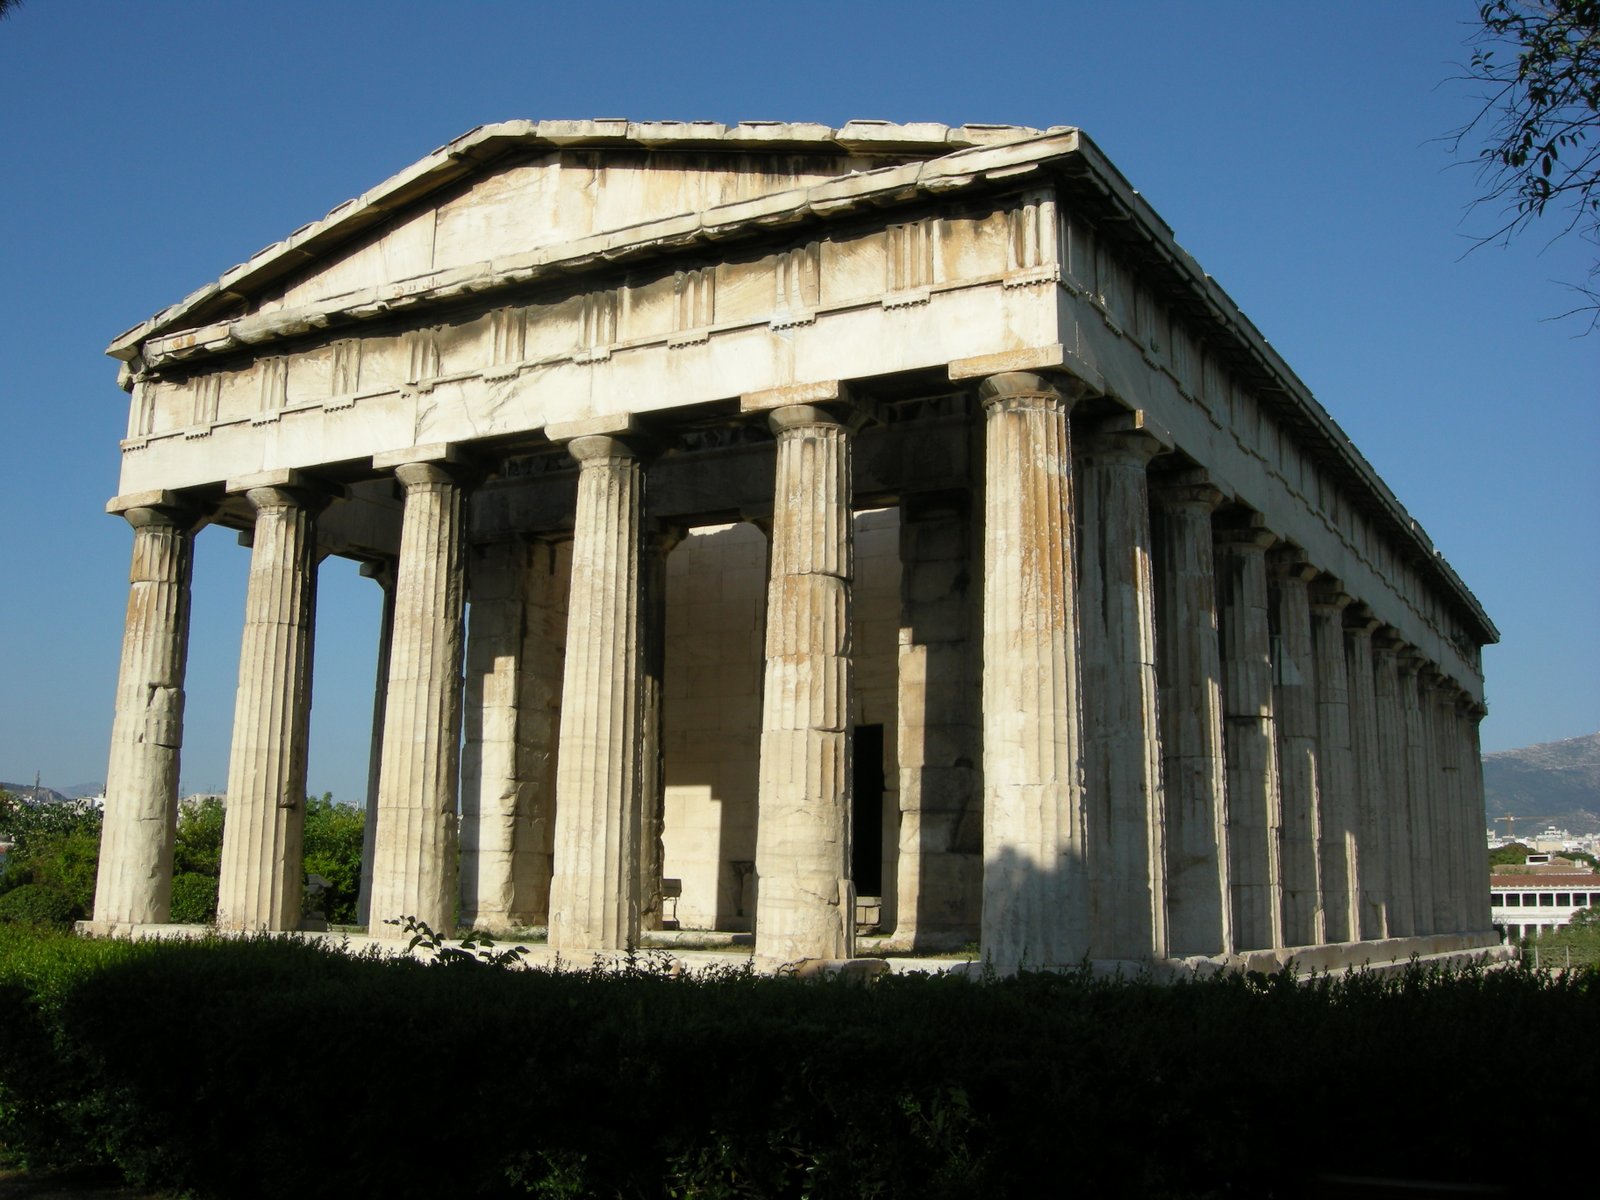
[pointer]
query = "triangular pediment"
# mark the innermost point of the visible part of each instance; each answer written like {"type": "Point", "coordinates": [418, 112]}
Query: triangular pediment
{"type": "Point", "coordinates": [522, 186]}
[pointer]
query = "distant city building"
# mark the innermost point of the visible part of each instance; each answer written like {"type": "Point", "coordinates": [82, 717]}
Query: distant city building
{"type": "Point", "coordinates": [1543, 894]}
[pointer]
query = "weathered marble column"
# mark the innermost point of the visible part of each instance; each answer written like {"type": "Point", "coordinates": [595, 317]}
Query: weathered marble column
{"type": "Point", "coordinates": [1125, 815]}
{"type": "Point", "coordinates": [939, 885]}
{"type": "Point", "coordinates": [1255, 815]}
{"type": "Point", "coordinates": [383, 573]}
{"type": "Point", "coordinates": [1035, 884]}
{"type": "Point", "coordinates": [594, 892]}
{"type": "Point", "coordinates": [507, 785]}
{"type": "Point", "coordinates": [415, 851]}
{"type": "Point", "coordinates": [1393, 757]}
{"type": "Point", "coordinates": [1476, 899]}
{"type": "Point", "coordinates": [134, 885]}
{"type": "Point", "coordinates": [1189, 668]}
{"type": "Point", "coordinates": [1446, 802]}
{"type": "Point", "coordinates": [658, 543]}
{"type": "Point", "coordinates": [1338, 857]}
{"type": "Point", "coordinates": [263, 833]}
{"type": "Point", "coordinates": [1419, 794]}
{"type": "Point", "coordinates": [806, 902]}
{"type": "Point", "coordinates": [1371, 796]}
{"type": "Point", "coordinates": [1294, 698]}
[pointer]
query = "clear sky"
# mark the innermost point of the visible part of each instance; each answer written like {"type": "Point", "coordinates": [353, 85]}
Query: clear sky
{"type": "Point", "coordinates": [1293, 147]}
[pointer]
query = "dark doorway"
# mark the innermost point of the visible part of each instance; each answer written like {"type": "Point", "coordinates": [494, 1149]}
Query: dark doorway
{"type": "Point", "coordinates": [866, 816]}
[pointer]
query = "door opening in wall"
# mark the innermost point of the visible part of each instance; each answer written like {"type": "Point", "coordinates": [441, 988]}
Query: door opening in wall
{"type": "Point", "coordinates": [866, 816]}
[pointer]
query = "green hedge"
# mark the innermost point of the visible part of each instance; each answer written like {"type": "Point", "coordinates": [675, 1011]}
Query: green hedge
{"type": "Point", "coordinates": [270, 1067]}
{"type": "Point", "coordinates": [37, 904]}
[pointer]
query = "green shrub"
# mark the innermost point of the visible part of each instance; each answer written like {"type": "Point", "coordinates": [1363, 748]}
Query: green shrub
{"type": "Point", "coordinates": [38, 904]}
{"type": "Point", "coordinates": [197, 849]}
{"type": "Point", "coordinates": [194, 898]}
{"type": "Point", "coordinates": [54, 844]}
{"type": "Point", "coordinates": [333, 850]}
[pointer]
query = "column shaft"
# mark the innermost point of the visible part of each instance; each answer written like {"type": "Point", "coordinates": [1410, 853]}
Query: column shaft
{"type": "Point", "coordinates": [1476, 913]}
{"type": "Point", "coordinates": [134, 884]}
{"type": "Point", "coordinates": [263, 832]}
{"type": "Point", "coordinates": [1395, 825]}
{"type": "Point", "coordinates": [1295, 706]}
{"type": "Point", "coordinates": [1372, 834]}
{"type": "Point", "coordinates": [1194, 771]}
{"type": "Point", "coordinates": [1035, 883]}
{"type": "Point", "coordinates": [1446, 805]}
{"type": "Point", "coordinates": [1338, 855]}
{"type": "Point", "coordinates": [1419, 794]}
{"type": "Point", "coordinates": [1255, 816]}
{"type": "Point", "coordinates": [1125, 812]}
{"type": "Point", "coordinates": [594, 892]}
{"type": "Point", "coordinates": [805, 901]}
{"type": "Point", "coordinates": [652, 783]}
{"type": "Point", "coordinates": [414, 859]}
{"type": "Point", "coordinates": [384, 574]}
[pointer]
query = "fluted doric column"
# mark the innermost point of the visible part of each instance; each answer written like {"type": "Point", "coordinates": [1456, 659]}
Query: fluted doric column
{"type": "Point", "coordinates": [134, 885]}
{"type": "Point", "coordinates": [1419, 794]}
{"type": "Point", "coordinates": [1255, 815]}
{"type": "Point", "coordinates": [1294, 698]}
{"type": "Point", "coordinates": [805, 903]}
{"type": "Point", "coordinates": [1372, 791]}
{"type": "Point", "coordinates": [1447, 854]}
{"type": "Point", "coordinates": [263, 833]}
{"type": "Point", "coordinates": [1390, 706]}
{"type": "Point", "coordinates": [383, 573]}
{"type": "Point", "coordinates": [1124, 807]}
{"type": "Point", "coordinates": [1476, 914]}
{"type": "Point", "coordinates": [415, 851]}
{"type": "Point", "coordinates": [1338, 862]}
{"type": "Point", "coordinates": [594, 891]}
{"type": "Point", "coordinates": [1194, 771]}
{"type": "Point", "coordinates": [1035, 883]}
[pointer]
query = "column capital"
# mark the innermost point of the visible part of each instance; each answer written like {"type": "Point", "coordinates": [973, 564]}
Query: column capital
{"type": "Point", "coordinates": [807, 405]}
{"type": "Point", "coordinates": [159, 508]}
{"type": "Point", "coordinates": [1191, 488]}
{"type": "Point", "coordinates": [446, 461]}
{"type": "Point", "coordinates": [1359, 621]}
{"type": "Point", "coordinates": [1244, 531]}
{"type": "Point", "coordinates": [381, 570]}
{"type": "Point", "coordinates": [1289, 564]}
{"type": "Point", "coordinates": [1329, 597]}
{"type": "Point", "coordinates": [1131, 438]}
{"type": "Point", "coordinates": [285, 489]}
{"type": "Point", "coordinates": [1025, 389]}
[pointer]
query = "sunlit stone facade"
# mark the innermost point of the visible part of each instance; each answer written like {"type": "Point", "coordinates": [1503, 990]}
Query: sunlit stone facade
{"type": "Point", "coordinates": [883, 536]}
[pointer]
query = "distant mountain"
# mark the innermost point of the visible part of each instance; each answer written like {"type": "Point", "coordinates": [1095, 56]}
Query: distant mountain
{"type": "Point", "coordinates": [1556, 783]}
{"type": "Point", "coordinates": [27, 789]}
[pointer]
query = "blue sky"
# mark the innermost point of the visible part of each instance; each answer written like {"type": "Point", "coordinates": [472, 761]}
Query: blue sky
{"type": "Point", "coordinates": [1294, 148]}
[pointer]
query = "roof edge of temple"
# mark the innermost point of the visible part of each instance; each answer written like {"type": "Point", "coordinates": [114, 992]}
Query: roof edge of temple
{"type": "Point", "coordinates": [485, 143]}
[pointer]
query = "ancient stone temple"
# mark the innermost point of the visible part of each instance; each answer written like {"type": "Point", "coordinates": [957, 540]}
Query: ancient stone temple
{"type": "Point", "coordinates": [799, 529]}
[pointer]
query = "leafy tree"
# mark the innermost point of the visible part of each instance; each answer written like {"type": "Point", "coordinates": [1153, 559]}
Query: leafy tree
{"type": "Point", "coordinates": [333, 851]}
{"type": "Point", "coordinates": [198, 849]}
{"type": "Point", "coordinates": [1539, 64]}
{"type": "Point", "coordinates": [1587, 918]}
{"type": "Point", "coordinates": [54, 845]}
{"type": "Point", "coordinates": [1512, 854]}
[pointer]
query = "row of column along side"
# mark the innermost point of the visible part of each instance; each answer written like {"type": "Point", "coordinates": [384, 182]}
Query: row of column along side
{"type": "Point", "coordinates": [1189, 746]}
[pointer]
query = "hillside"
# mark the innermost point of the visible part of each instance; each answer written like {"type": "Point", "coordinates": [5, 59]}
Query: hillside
{"type": "Point", "coordinates": [1555, 783]}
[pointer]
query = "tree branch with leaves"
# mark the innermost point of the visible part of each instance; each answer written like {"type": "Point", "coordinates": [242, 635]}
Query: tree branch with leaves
{"type": "Point", "coordinates": [1538, 63]}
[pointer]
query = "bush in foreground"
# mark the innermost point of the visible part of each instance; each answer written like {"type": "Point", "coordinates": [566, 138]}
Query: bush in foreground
{"type": "Point", "coordinates": [37, 904]}
{"type": "Point", "coordinates": [300, 1071]}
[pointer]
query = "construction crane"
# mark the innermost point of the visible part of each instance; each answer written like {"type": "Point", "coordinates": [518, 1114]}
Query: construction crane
{"type": "Point", "coordinates": [1511, 824]}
